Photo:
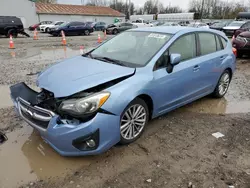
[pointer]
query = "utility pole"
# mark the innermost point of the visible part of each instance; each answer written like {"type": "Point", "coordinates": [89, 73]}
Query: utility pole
{"type": "Point", "coordinates": [129, 9]}
{"type": "Point", "coordinates": [202, 8]}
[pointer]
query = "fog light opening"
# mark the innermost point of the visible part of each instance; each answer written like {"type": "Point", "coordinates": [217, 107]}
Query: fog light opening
{"type": "Point", "coordinates": [91, 143]}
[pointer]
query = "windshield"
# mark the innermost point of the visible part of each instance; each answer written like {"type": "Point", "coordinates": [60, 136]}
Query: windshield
{"type": "Point", "coordinates": [132, 48]}
{"type": "Point", "coordinates": [64, 24]}
{"type": "Point", "coordinates": [236, 23]}
{"type": "Point", "coordinates": [59, 23]}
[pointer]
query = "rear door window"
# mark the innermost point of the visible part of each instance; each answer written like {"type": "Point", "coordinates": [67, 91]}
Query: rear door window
{"type": "Point", "coordinates": [218, 44]}
{"type": "Point", "coordinates": [207, 43]}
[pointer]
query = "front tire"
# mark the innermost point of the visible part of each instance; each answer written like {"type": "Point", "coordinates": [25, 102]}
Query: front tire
{"type": "Point", "coordinates": [86, 32]}
{"type": "Point", "coordinates": [223, 85]}
{"type": "Point", "coordinates": [115, 31]}
{"type": "Point", "coordinates": [133, 121]}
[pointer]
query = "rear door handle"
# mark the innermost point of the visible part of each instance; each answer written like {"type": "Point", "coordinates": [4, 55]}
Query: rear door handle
{"type": "Point", "coordinates": [222, 57]}
{"type": "Point", "coordinates": [196, 68]}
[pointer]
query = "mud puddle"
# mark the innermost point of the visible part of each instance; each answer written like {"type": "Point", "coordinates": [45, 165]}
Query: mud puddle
{"type": "Point", "coordinates": [34, 54]}
{"type": "Point", "coordinates": [25, 158]}
{"type": "Point", "coordinates": [209, 105]}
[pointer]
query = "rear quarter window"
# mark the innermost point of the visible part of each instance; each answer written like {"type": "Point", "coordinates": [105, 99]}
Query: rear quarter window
{"type": "Point", "coordinates": [224, 42]}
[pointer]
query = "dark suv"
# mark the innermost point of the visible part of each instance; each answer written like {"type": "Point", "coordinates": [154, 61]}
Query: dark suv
{"type": "Point", "coordinates": [10, 25]}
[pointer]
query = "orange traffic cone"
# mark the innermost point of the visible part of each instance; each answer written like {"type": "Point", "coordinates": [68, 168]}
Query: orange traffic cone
{"type": "Point", "coordinates": [35, 35]}
{"type": "Point", "coordinates": [11, 43]}
{"type": "Point", "coordinates": [64, 42]}
{"type": "Point", "coordinates": [81, 50]}
{"type": "Point", "coordinates": [99, 39]}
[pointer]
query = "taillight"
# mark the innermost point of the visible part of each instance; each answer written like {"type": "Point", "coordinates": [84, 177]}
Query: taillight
{"type": "Point", "coordinates": [235, 51]}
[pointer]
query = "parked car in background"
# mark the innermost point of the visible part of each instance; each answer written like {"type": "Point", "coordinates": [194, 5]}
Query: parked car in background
{"type": "Point", "coordinates": [219, 25]}
{"type": "Point", "coordinates": [199, 25]}
{"type": "Point", "coordinates": [233, 26]}
{"type": "Point", "coordinates": [156, 23]}
{"type": "Point", "coordinates": [45, 28]}
{"type": "Point", "coordinates": [242, 43]}
{"type": "Point", "coordinates": [72, 28]}
{"type": "Point", "coordinates": [89, 103]}
{"type": "Point", "coordinates": [120, 27]}
{"type": "Point", "coordinates": [11, 25]}
{"type": "Point", "coordinates": [35, 26]}
{"type": "Point", "coordinates": [97, 26]}
{"type": "Point", "coordinates": [171, 24]}
{"type": "Point", "coordinates": [142, 23]}
{"type": "Point", "coordinates": [184, 23]}
{"type": "Point", "coordinates": [245, 27]}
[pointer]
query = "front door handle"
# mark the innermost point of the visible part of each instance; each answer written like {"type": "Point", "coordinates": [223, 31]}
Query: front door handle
{"type": "Point", "coordinates": [222, 57]}
{"type": "Point", "coordinates": [196, 68]}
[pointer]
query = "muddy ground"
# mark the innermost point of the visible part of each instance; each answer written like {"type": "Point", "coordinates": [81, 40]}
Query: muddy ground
{"type": "Point", "coordinates": [175, 150]}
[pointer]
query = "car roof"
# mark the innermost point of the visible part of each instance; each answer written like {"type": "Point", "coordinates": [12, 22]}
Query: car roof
{"type": "Point", "coordinates": [171, 29]}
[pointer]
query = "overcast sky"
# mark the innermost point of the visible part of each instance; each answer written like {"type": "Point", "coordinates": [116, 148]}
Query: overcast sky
{"type": "Point", "coordinates": [181, 3]}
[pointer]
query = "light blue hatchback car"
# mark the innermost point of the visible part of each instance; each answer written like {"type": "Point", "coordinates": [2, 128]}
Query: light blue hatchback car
{"type": "Point", "coordinates": [89, 103]}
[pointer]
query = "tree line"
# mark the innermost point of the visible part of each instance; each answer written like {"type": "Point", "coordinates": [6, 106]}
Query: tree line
{"type": "Point", "coordinates": [214, 9]}
{"type": "Point", "coordinates": [217, 9]}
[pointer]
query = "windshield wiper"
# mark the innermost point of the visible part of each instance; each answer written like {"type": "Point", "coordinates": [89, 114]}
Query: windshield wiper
{"type": "Point", "coordinates": [114, 61]}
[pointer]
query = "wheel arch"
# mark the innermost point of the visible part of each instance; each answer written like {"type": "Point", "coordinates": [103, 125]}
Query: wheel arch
{"type": "Point", "coordinates": [149, 101]}
{"type": "Point", "coordinates": [230, 71]}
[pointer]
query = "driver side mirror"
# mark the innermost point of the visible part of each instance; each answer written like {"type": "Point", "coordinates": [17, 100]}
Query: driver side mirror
{"type": "Point", "coordinates": [175, 59]}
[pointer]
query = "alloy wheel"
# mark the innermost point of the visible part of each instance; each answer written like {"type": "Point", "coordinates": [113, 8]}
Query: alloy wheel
{"type": "Point", "coordinates": [224, 83]}
{"type": "Point", "coordinates": [133, 122]}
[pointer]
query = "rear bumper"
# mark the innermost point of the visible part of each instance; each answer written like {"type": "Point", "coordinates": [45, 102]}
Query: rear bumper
{"type": "Point", "coordinates": [241, 46]}
{"type": "Point", "coordinates": [229, 33]}
{"type": "Point", "coordinates": [62, 134]}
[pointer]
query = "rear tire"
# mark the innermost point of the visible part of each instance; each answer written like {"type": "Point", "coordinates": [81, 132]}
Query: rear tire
{"type": "Point", "coordinates": [222, 85]}
{"type": "Point", "coordinates": [12, 32]}
{"type": "Point", "coordinates": [239, 54]}
{"type": "Point", "coordinates": [133, 121]}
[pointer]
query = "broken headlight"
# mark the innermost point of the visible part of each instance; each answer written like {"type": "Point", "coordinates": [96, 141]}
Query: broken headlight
{"type": "Point", "coordinates": [85, 105]}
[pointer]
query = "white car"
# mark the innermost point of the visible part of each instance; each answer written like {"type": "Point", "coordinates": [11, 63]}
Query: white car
{"type": "Point", "coordinates": [142, 23]}
{"type": "Point", "coordinates": [199, 25]}
{"type": "Point", "coordinates": [46, 27]}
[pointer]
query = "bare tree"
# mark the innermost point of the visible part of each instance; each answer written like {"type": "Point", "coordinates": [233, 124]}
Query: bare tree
{"type": "Point", "coordinates": [217, 9]}
{"type": "Point", "coordinates": [151, 6]}
{"type": "Point", "coordinates": [98, 2]}
{"type": "Point", "coordinates": [174, 9]}
{"type": "Point", "coordinates": [46, 1]}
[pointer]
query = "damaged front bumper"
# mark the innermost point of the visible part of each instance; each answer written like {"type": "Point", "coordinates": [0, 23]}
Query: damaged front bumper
{"type": "Point", "coordinates": [67, 137]}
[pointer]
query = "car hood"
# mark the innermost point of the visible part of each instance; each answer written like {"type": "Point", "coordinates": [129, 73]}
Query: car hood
{"type": "Point", "coordinates": [245, 34]}
{"type": "Point", "coordinates": [78, 74]}
{"type": "Point", "coordinates": [231, 27]}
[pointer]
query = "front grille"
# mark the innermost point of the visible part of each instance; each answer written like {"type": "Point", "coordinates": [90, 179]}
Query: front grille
{"type": "Point", "coordinates": [34, 115]}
